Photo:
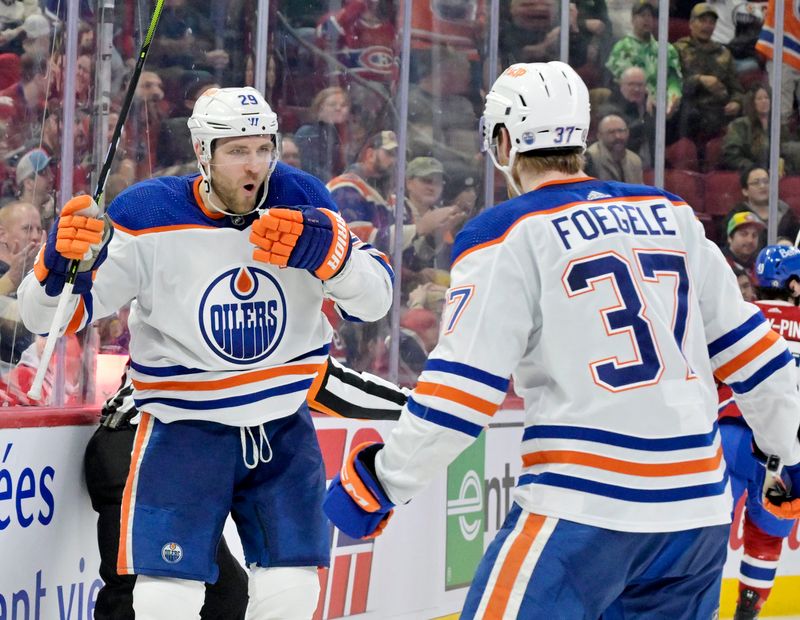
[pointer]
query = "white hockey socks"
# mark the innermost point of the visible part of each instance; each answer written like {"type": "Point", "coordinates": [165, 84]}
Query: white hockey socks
{"type": "Point", "coordinates": [165, 598]}
{"type": "Point", "coordinates": [284, 593]}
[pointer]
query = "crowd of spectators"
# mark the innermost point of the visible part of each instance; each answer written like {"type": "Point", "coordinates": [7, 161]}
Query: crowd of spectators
{"type": "Point", "coordinates": [333, 78]}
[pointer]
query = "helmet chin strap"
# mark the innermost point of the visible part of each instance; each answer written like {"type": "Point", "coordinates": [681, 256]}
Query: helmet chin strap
{"type": "Point", "coordinates": [210, 192]}
{"type": "Point", "coordinates": [513, 186]}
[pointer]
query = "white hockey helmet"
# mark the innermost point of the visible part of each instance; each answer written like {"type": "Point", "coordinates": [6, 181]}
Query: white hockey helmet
{"type": "Point", "coordinates": [543, 105]}
{"type": "Point", "coordinates": [231, 113]}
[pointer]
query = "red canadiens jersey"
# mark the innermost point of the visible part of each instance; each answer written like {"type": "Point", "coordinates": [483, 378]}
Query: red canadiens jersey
{"type": "Point", "coordinates": [784, 319]}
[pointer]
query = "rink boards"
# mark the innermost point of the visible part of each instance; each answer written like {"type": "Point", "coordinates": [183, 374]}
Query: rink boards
{"type": "Point", "coordinates": [419, 569]}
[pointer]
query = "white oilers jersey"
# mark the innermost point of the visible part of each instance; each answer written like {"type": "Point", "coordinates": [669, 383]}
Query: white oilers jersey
{"type": "Point", "coordinates": [612, 312]}
{"type": "Point", "coordinates": [216, 335]}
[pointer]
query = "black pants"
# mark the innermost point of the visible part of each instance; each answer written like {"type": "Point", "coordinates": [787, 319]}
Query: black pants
{"type": "Point", "coordinates": [107, 461]}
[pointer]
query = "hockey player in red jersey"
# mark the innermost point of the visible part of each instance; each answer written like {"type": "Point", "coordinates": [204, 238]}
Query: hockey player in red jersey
{"type": "Point", "coordinates": [777, 271]}
{"type": "Point", "coordinates": [613, 313]}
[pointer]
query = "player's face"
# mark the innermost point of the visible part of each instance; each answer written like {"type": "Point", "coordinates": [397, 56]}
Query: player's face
{"type": "Point", "coordinates": [239, 168]}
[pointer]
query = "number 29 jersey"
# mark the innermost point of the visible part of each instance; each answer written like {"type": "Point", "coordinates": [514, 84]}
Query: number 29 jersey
{"type": "Point", "coordinates": [613, 313]}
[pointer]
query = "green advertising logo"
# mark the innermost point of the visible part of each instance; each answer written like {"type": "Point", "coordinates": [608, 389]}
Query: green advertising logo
{"type": "Point", "coordinates": [465, 515]}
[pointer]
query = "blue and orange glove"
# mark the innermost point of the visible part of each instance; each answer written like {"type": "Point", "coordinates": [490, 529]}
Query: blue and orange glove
{"type": "Point", "coordinates": [356, 502]}
{"type": "Point", "coordinates": [782, 494]}
{"type": "Point", "coordinates": [78, 234]}
{"type": "Point", "coordinates": [303, 237]}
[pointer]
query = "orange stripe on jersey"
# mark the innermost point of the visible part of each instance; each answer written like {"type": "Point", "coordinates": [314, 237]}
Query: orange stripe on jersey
{"type": "Point", "coordinates": [744, 358]}
{"type": "Point", "coordinates": [221, 384]}
{"type": "Point", "coordinates": [558, 209]}
{"type": "Point", "coordinates": [77, 317]}
{"type": "Point", "coordinates": [457, 396]}
{"type": "Point", "coordinates": [507, 576]}
{"type": "Point", "coordinates": [157, 229]}
{"type": "Point", "coordinates": [619, 466]}
{"type": "Point", "coordinates": [124, 563]}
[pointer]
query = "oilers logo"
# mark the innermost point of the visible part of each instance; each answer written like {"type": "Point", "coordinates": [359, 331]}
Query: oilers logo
{"type": "Point", "coordinates": [243, 315]}
{"type": "Point", "coordinates": [172, 553]}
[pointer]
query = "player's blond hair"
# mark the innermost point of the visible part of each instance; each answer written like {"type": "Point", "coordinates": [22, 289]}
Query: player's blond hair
{"type": "Point", "coordinates": [539, 162]}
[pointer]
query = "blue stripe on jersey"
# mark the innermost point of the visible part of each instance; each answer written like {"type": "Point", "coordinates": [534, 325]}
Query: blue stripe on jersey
{"type": "Point", "coordinates": [382, 262]}
{"type": "Point", "coordinates": [323, 350]}
{"type": "Point", "coordinates": [772, 366]}
{"type": "Point", "coordinates": [645, 496]}
{"type": "Point", "coordinates": [660, 444]}
{"type": "Point", "coordinates": [756, 572]}
{"type": "Point", "coordinates": [231, 401]}
{"type": "Point", "coordinates": [470, 372]}
{"type": "Point", "coordinates": [494, 223]}
{"type": "Point", "coordinates": [441, 418]}
{"type": "Point", "coordinates": [164, 371]}
{"type": "Point", "coordinates": [88, 306]}
{"type": "Point", "coordinates": [736, 334]}
{"type": "Point", "coordinates": [176, 371]}
{"type": "Point", "coordinates": [348, 317]}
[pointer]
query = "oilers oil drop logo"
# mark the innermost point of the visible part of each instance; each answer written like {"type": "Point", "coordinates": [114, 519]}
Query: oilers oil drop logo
{"type": "Point", "coordinates": [243, 315]}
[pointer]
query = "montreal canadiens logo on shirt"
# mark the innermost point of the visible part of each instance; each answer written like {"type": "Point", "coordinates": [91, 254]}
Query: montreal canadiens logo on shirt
{"type": "Point", "coordinates": [243, 315]}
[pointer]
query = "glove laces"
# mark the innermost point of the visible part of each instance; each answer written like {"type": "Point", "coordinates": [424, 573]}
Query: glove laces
{"type": "Point", "coordinates": [260, 454]}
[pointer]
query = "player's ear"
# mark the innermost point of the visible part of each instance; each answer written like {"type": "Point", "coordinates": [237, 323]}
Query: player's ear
{"type": "Point", "coordinates": [503, 143]}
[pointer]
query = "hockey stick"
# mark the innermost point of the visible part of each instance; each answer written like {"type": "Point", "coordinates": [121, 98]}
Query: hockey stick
{"type": "Point", "coordinates": [35, 393]}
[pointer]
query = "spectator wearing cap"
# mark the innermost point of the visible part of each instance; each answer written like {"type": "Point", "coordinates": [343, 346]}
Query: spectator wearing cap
{"type": "Point", "coordinates": [609, 158]}
{"type": "Point", "coordinates": [754, 184]}
{"type": "Point", "coordinates": [361, 193]}
{"type": "Point", "coordinates": [712, 94]}
{"type": "Point", "coordinates": [640, 49]}
{"type": "Point", "coordinates": [741, 249]}
{"type": "Point", "coordinates": [434, 224]}
{"type": "Point", "coordinates": [23, 102]}
{"type": "Point", "coordinates": [35, 182]}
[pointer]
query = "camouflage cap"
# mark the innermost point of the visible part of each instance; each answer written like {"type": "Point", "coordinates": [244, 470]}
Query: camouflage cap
{"type": "Point", "coordinates": [703, 8]}
{"type": "Point", "coordinates": [423, 167]}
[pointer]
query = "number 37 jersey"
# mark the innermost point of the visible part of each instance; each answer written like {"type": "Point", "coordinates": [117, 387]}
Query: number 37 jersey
{"type": "Point", "coordinates": [613, 313]}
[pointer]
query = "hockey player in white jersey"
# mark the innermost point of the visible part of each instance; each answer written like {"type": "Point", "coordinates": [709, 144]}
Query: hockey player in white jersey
{"type": "Point", "coordinates": [613, 313]}
{"type": "Point", "coordinates": [226, 272]}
